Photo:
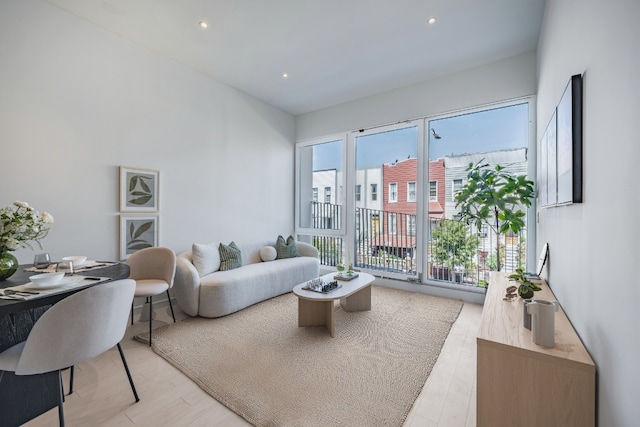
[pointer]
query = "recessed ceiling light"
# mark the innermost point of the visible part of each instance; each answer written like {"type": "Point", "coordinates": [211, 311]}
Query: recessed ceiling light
{"type": "Point", "coordinates": [431, 20]}
{"type": "Point", "coordinates": [285, 75]}
{"type": "Point", "coordinates": [203, 24]}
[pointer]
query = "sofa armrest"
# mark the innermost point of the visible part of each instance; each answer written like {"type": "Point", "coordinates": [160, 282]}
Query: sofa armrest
{"type": "Point", "coordinates": [187, 284]}
{"type": "Point", "coordinates": [305, 249]}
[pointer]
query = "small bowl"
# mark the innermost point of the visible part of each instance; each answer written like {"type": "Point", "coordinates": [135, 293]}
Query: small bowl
{"type": "Point", "coordinates": [78, 260]}
{"type": "Point", "coordinates": [46, 279]}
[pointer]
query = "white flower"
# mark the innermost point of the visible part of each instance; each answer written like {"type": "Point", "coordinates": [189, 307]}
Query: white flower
{"type": "Point", "coordinates": [22, 224]}
{"type": "Point", "coordinates": [47, 218]}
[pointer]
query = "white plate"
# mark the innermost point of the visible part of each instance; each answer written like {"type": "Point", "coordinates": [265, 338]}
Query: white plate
{"type": "Point", "coordinates": [68, 280]}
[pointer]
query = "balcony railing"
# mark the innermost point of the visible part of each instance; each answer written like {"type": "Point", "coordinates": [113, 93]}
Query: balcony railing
{"type": "Point", "coordinates": [386, 241]}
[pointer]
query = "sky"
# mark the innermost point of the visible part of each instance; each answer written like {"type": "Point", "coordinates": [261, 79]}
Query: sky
{"type": "Point", "coordinates": [488, 130]}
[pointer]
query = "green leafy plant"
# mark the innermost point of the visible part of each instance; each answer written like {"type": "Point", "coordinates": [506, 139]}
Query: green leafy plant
{"type": "Point", "coordinates": [526, 287]}
{"type": "Point", "coordinates": [495, 197]}
{"type": "Point", "coordinates": [453, 245]}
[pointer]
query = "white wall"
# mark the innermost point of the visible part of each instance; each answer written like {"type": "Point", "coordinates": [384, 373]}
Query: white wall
{"type": "Point", "coordinates": [76, 102]}
{"type": "Point", "coordinates": [499, 81]}
{"type": "Point", "coordinates": [593, 246]}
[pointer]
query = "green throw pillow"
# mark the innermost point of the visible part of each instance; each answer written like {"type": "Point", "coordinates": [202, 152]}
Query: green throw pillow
{"type": "Point", "coordinates": [230, 257]}
{"type": "Point", "coordinates": [286, 250]}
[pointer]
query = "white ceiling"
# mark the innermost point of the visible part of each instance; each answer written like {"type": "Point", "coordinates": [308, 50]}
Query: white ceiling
{"type": "Point", "coordinates": [334, 51]}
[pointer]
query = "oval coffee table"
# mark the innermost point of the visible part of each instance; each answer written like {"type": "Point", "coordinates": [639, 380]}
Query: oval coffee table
{"type": "Point", "coordinates": [316, 308]}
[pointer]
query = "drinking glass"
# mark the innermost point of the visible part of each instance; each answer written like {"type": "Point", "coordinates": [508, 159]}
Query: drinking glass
{"type": "Point", "coordinates": [41, 261]}
{"type": "Point", "coordinates": [340, 268]}
{"type": "Point", "coordinates": [67, 267]}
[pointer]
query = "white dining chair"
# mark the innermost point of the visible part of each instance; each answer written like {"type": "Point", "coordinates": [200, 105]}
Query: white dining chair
{"type": "Point", "coordinates": [153, 269]}
{"type": "Point", "coordinates": [74, 330]}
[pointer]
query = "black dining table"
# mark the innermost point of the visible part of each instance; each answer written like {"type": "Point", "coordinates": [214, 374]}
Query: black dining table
{"type": "Point", "coordinates": [24, 397]}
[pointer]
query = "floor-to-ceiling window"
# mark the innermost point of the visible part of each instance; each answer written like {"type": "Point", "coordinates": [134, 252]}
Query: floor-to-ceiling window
{"type": "Point", "coordinates": [385, 238]}
{"type": "Point", "coordinates": [320, 197]}
{"type": "Point", "coordinates": [459, 252]}
{"type": "Point", "coordinates": [384, 198]}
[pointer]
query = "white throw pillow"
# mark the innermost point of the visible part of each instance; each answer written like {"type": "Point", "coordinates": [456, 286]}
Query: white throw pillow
{"type": "Point", "coordinates": [205, 258]}
{"type": "Point", "coordinates": [268, 253]}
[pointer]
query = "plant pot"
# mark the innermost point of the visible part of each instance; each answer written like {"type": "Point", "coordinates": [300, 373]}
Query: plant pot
{"type": "Point", "coordinates": [8, 265]}
{"type": "Point", "coordinates": [525, 292]}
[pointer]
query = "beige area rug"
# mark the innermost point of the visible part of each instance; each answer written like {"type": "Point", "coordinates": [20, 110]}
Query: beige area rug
{"type": "Point", "coordinates": [271, 372]}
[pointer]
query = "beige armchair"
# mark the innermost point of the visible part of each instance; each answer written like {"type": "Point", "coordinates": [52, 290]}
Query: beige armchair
{"type": "Point", "coordinates": [153, 270]}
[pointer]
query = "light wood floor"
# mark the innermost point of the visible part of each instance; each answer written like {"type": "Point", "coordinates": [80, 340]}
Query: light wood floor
{"type": "Point", "coordinates": [102, 396]}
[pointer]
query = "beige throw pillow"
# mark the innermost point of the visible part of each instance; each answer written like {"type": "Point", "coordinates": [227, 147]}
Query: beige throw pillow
{"type": "Point", "coordinates": [205, 258]}
{"type": "Point", "coordinates": [268, 253]}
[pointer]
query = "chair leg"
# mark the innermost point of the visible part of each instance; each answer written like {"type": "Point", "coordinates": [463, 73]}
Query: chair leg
{"type": "Point", "coordinates": [150, 318]}
{"type": "Point", "coordinates": [132, 312]}
{"type": "Point", "coordinates": [171, 306]}
{"type": "Point", "coordinates": [70, 368]}
{"type": "Point", "coordinates": [126, 368]}
{"type": "Point", "coordinates": [60, 400]}
{"type": "Point", "coordinates": [71, 380]}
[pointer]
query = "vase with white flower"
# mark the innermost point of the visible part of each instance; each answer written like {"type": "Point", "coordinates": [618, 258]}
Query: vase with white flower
{"type": "Point", "coordinates": [20, 224]}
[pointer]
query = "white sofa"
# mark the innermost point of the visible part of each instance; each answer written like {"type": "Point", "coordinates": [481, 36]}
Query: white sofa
{"type": "Point", "coordinates": [216, 293]}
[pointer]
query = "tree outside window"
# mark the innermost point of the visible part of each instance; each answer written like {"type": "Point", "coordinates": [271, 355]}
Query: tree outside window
{"type": "Point", "coordinates": [453, 246]}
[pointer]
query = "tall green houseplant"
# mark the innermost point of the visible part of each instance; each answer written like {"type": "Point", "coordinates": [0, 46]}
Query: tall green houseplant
{"type": "Point", "coordinates": [495, 197]}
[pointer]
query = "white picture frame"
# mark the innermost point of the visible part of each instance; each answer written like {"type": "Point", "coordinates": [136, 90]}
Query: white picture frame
{"type": "Point", "coordinates": [137, 232]}
{"type": "Point", "coordinates": [139, 189]}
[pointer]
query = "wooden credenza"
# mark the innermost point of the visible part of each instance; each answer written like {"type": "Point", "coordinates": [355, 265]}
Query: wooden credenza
{"type": "Point", "coordinates": [523, 384]}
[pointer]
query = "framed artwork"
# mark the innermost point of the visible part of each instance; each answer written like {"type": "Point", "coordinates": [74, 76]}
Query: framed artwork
{"type": "Point", "coordinates": [547, 165]}
{"type": "Point", "coordinates": [139, 190]}
{"type": "Point", "coordinates": [137, 232]}
{"type": "Point", "coordinates": [542, 170]}
{"type": "Point", "coordinates": [552, 171]}
{"type": "Point", "coordinates": [569, 154]}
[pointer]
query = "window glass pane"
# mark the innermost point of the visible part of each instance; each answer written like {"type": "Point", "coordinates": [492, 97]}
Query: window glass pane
{"type": "Point", "coordinates": [411, 225]}
{"type": "Point", "coordinates": [456, 187]}
{"type": "Point", "coordinates": [387, 167]}
{"type": "Point", "coordinates": [320, 170]}
{"type": "Point", "coordinates": [433, 190]}
{"type": "Point", "coordinates": [411, 192]}
{"type": "Point", "coordinates": [457, 251]}
{"type": "Point", "coordinates": [393, 192]}
{"type": "Point", "coordinates": [327, 194]}
{"type": "Point", "coordinates": [393, 223]}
